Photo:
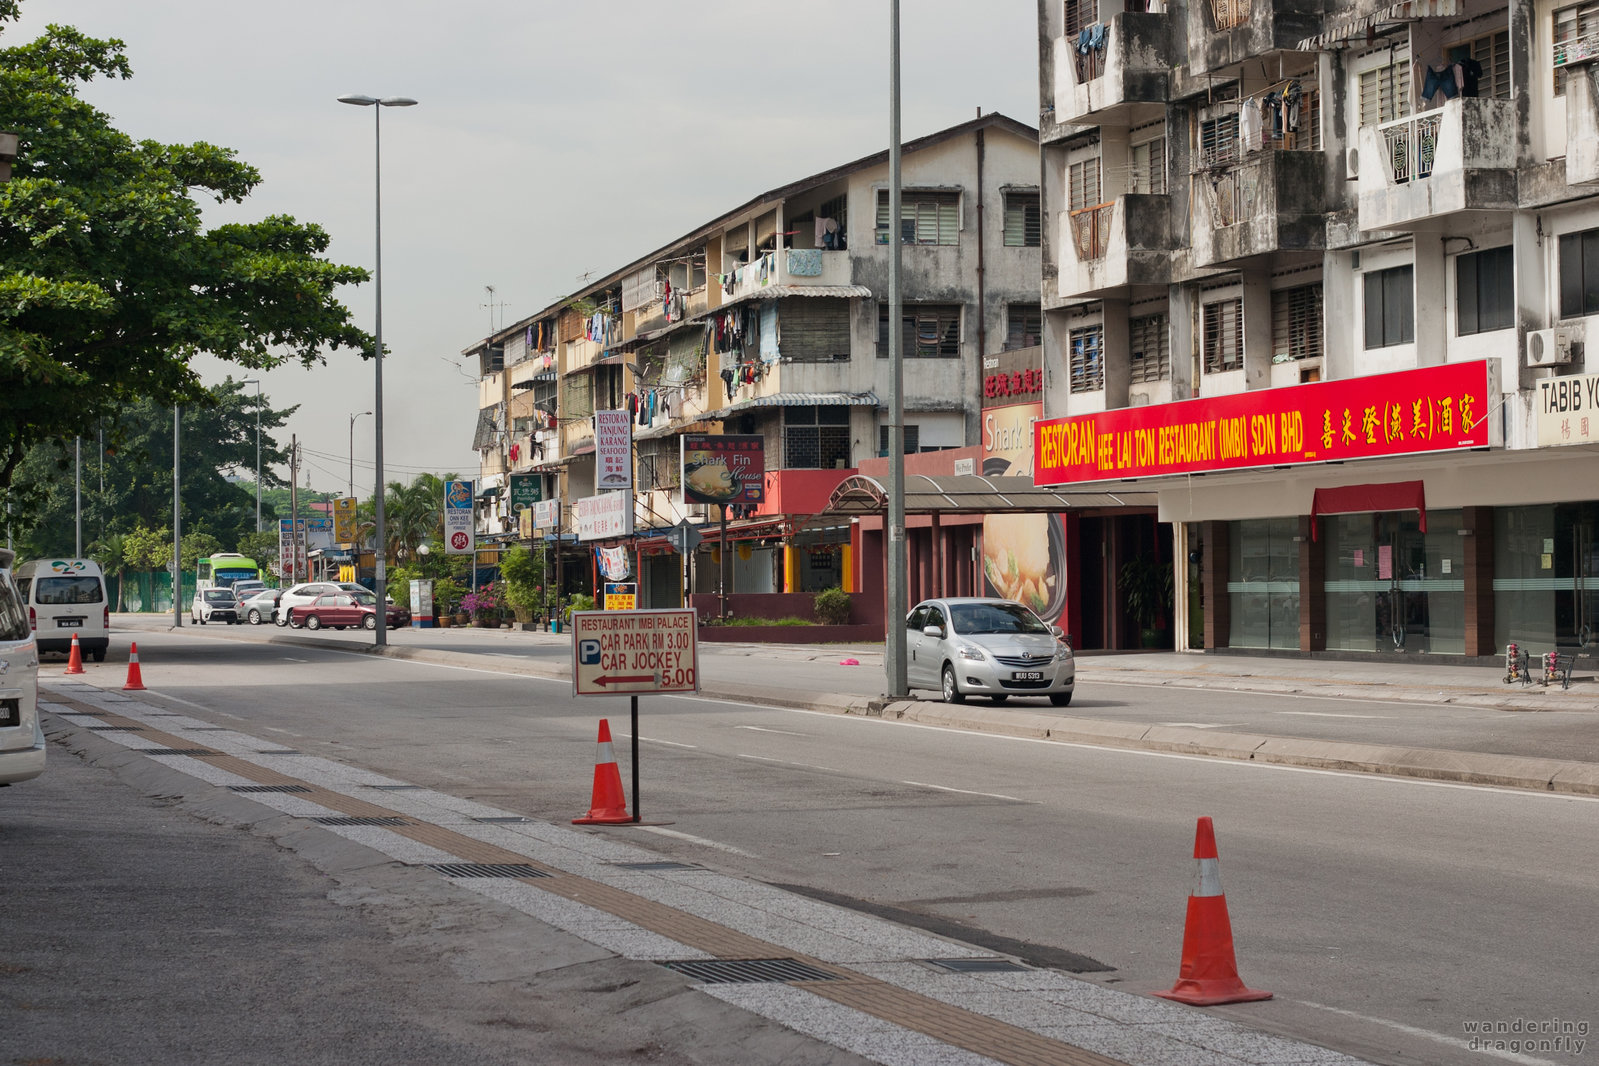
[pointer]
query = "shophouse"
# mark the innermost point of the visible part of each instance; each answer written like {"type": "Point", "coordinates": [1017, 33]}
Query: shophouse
{"type": "Point", "coordinates": [770, 320]}
{"type": "Point", "coordinates": [1319, 275]}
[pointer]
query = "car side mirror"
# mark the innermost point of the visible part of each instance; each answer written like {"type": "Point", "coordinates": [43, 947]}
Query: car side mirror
{"type": "Point", "coordinates": [933, 631]}
{"type": "Point", "coordinates": [1058, 631]}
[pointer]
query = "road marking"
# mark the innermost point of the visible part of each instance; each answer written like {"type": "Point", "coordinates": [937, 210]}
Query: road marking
{"type": "Point", "coordinates": [718, 845]}
{"type": "Point", "coordinates": [1329, 714]}
{"type": "Point", "coordinates": [964, 791]}
{"type": "Point", "coordinates": [1427, 1034]}
{"type": "Point", "coordinates": [1203, 725]}
{"type": "Point", "coordinates": [785, 762]}
{"type": "Point", "coordinates": [289, 660]}
{"type": "Point", "coordinates": [657, 740]}
{"type": "Point", "coordinates": [780, 732]}
{"type": "Point", "coordinates": [185, 703]}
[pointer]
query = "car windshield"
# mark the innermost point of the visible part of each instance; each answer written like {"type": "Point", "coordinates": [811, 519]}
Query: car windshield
{"type": "Point", "coordinates": [974, 618]}
{"type": "Point", "coordinates": [218, 596]}
{"type": "Point", "coordinates": [365, 599]}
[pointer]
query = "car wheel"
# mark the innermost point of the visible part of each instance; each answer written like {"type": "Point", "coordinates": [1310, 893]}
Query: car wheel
{"type": "Point", "coordinates": [255, 617]}
{"type": "Point", "coordinates": [312, 622]}
{"type": "Point", "coordinates": [952, 692]}
{"type": "Point", "coordinates": [1061, 699]}
{"type": "Point", "coordinates": [280, 620]}
{"type": "Point", "coordinates": [99, 656]}
{"type": "Point", "coordinates": [1000, 697]}
{"type": "Point", "coordinates": [202, 619]}
{"type": "Point", "coordinates": [369, 622]}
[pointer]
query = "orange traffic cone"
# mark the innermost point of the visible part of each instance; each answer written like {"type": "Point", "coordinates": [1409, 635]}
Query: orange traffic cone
{"type": "Point", "coordinates": [75, 660]}
{"type": "Point", "coordinates": [135, 678]}
{"type": "Point", "coordinates": [1209, 972]}
{"type": "Point", "coordinates": [609, 805]}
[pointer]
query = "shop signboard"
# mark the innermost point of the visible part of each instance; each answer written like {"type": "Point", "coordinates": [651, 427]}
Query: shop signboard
{"type": "Point", "coordinates": [547, 514]}
{"type": "Point", "coordinates": [291, 548]}
{"type": "Point", "coordinates": [622, 653]}
{"type": "Point", "coordinates": [1013, 377]}
{"type": "Point", "coordinates": [1431, 409]}
{"type": "Point", "coordinates": [526, 490]}
{"type": "Point", "coordinates": [610, 514]}
{"type": "Point", "coordinates": [621, 595]}
{"type": "Point", "coordinates": [344, 520]}
{"type": "Point", "coordinates": [460, 536]}
{"type": "Point", "coordinates": [728, 469]}
{"type": "Point", "coordinates": [613, 450]}
{"type": "Point", "coordinates": [1568, 410]}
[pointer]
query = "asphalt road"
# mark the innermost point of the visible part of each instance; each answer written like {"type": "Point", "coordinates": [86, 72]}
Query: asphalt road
{"type": "Point", "coordinates": [1385, 914]}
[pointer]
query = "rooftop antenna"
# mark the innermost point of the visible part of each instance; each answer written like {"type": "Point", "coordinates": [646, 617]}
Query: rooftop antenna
{"type": "Point", "coordinates": [491, 305]}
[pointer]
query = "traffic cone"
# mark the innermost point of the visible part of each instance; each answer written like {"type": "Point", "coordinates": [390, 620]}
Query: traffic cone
{"type": "Point", "coordinates": [75, 660]}
{"type": "Point", "coordinates": [1209, 972]}
{"type": "Point", "coordinates": [609, 806]}
{"type": "Point", "coordinates": [135, 678]}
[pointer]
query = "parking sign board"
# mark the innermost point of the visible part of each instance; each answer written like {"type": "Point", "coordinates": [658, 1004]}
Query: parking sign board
{"type": "Point", "coordinates": [622, 653]}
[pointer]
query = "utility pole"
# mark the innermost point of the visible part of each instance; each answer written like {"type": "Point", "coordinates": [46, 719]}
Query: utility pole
{"type": "Point", "coordinates": [177, 529]}
{"type": "Point", "coordinates": [77, 497]}
{"type": "Point", "coordinates": [294, 508]}
{"type": "Point", "coordinates": [894, 521]}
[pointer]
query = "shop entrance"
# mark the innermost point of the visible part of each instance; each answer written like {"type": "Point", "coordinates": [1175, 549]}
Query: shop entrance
{"type": "Point", "coordinates": [1391, 587]}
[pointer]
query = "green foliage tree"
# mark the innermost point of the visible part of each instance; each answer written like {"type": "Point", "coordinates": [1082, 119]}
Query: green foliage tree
{"type": "Point", "coordinates": [261, 547]}
{"type": "Point", "coordinates": [110, 283]}
{"type": "Point", "coordinates": [523, 573]}
{"type": "Point", "coordinates": [197, 546]}
{"type": "Point", "coordinates": [112, 555]}
{"type": "Point", "coordinates": [149, 549]}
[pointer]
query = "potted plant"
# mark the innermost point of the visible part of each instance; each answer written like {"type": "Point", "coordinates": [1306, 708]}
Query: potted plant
{"type": "Point", "coordinates": [484, 606]}
{"type": "Point", "coordinates": [447, 593]}
{"type": "Point", "coordinates": [1146, 589]}
{"type": "Point", "coordinates": [523, 576]}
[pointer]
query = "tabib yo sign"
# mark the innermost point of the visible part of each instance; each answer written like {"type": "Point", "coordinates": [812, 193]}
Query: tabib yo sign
{"type": "Point", "coordinates": [624, 653]}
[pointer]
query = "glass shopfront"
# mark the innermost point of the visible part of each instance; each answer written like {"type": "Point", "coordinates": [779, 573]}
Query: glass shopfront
{"type": "Point", "coordinates": [1546, 575]}
{"type": "Point", "coordinates": [1391, 587]}
{"type": "Point", "coordinates": [1263, 583]}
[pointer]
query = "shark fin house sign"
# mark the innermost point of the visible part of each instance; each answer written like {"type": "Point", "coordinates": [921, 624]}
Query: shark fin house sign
{"type": "Point", "coordinates": [1431, 409]}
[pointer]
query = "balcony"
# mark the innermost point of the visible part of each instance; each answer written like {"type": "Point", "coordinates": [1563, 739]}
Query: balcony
{"type": "Point", "coordinates": [1102, 83]}
{"type": "Point", "coordinates": [1459, 157]}
{"type": "Point", "coordinates": [1574, 63]}
{"type": "Point", "coordinates": [1223, 33]}
{"type": "Point", "coordinates": [1275, 201]}
{"type": "Point", "coordinates": [1114, 245]}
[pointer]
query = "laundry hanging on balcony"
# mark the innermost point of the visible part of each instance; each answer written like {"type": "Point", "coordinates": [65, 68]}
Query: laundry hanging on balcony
{"type": "Point", "coordinates": [1090, 51]}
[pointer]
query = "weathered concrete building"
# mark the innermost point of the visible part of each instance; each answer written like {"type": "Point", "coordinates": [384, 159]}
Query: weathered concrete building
{"type": "Point", "coordinates": [1320, 274]}
{"type": "Point", "coordinates": [771, 319]}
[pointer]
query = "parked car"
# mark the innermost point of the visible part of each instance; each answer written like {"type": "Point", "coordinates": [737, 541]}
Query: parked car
{"type": "Point", "coordinates": [22, 750]}
{"type": "Point", "coordinates": [341, 610]}
{"type": "Point", "coordinates": [243, 590]}
{"type": "Point", "coordinates": [351, 586]}
{"type": "Point", "coordinates": [66, 598]}
{"type": "Point", "coordinates": [302, 593]}
{"type": "Point", "coordinates": [987, 647]}
{"type": "Point", "coordinates": [214, 605]}
{"type": "Point", "coordinates": [259, 607]}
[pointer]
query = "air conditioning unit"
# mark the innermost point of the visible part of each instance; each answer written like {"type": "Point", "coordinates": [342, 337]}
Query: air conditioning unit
{"type": "Point", "coordinates": [1549, 347]}
{"type": "Point", "coordinates": [1352, 164]}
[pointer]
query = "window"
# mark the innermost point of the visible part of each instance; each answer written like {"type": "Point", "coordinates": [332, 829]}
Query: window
{"type": "Point", "coordinates": [913, 439]}
{"type": "Point", "coordinates": [1083, 179]}
{"type": "Point", "coordinates": [815, 330]}
{"type": "Point", "coordinates": [1224, 336]}
{"type": "Point", "coordinates": [1147, 167]}
{"type": "Point", "coordinates": [1080, 14]}
{"type": "Point", "coordinates": [1296, 323]}
{"type": "Point", "coordinates": [1149, 348]}
{"type": "Point", "coordinates": [1218, 141]}
{"type": "Point", "coordinates": [1485, 288]}
{"type": "Point", "coordinates": [1579, 273]}
{"type": "Point", "coordinates": [1023, 226]}
{"type": "Point", "coordinates": [1579, 22]}
{"type": "Point", "coordinates": [925, 217]}
{"type": "Point", "coordinates": [660, 463]}
{"type": "Point", "coordinates": [816, 438]}
{"type": "Point", "coordinates": [577, 400]}
{"type": "Point", "coordinates": [1492, 53]}
{"type": "Point", "coordinates": [1385, 93]}
{"type": "Point", "coordinates": [56, 591]}
{"type": "Point", "coordinates": [1390, 307]}
{"type": "Point", "coordinates": [1088, 359]}
{"type": "Point", "coordinates": [927, 331]}
{"type": "Point", "coordinates": [1024, 326]}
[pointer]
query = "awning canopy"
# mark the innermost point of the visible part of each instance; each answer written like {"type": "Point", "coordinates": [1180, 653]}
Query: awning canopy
{"type": "Point", "coordinates": [1356, 23]}
{"type": "Point", "coordinates": [795, 399]}
{"type": "Point", "coordinates": [773, 292]}
{"type": "Point", "coordinates": [1364, 499]}
{"type": "Point", "coordinates": [972, 494]}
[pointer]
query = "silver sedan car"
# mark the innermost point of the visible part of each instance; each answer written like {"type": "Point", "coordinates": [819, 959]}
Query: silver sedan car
{"type": "Point", "coordinates": [986, 647]}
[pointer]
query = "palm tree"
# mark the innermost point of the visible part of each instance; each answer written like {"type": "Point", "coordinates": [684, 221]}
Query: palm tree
{"type": "Point", "coordinates": [414, 513]}
{"type": "Point", "coordinates": [112, 555]}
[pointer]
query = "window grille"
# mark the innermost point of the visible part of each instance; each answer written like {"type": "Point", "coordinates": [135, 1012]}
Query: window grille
{"type": "Point", "coordinates": [1224, 336]}
{"type": "Point", "coordinates": [927, 331]}
{"type": "Point", "coordinates": [1296, 323]}
{"type": "Point", "coordinates": [1024, 326]}
{"type": "Point", "coordinates": [912, 439]}
{"type": "Point", "coordinates": [1492, 53]}
{"type": "Point", "coordinates": [1149, 348]}
{"type": "Point", "coordinates": [1576, 39]}
{"type": "Point", "coordinates": [1083, 179]}
{"type": "Point", "coordinates": [1087, 358]}
{"type": "Point", "coordinates": [1079, 14]}
{"type": "Point", "coordinates": [1229, 14]}
{"type": "Point", "coordinates": [925, 217]}
{"type": "Point", "coordinates": [1023, 225]}
{"type": "Point", "coordinates": [816, 438]}
{"type": "Point", "coordinates": [1385, 93]}
{"type": "Point", "coordinates": [1218, 141]}
{"type": "Point", "coordinates": [577, 400]}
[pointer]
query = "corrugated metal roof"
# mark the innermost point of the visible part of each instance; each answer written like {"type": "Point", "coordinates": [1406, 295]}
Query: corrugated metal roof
{"type": "Point", "coordinates": [773, 292]}
{"type": "Point", "coordinates": [972, 494]}
{"type": "Point", "coordinates": [796, 399]}
{"type": "Point", "coordinates": [1355, 24]}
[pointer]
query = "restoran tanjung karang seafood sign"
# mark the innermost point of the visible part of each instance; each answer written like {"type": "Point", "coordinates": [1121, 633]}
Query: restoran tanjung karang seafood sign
{"type": "Point", "coordinates": [1432, 409]}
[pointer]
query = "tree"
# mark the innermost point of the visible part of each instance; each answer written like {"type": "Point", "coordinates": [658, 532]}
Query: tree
{"type": "Point", "coordinates": [413, 514]}
{"type": "Point", "coordinates": [112, 555]}
{"type": "Point", "coordinates": [523, 574]}
{"type": "Point", "coordinates": [109, 283]}
{"type": "Point", "coordinates": [197, 546]}
{"type": "Point", "coordinates": [149, 549]}
{"type": "Point", "coordinates": [262, 548]}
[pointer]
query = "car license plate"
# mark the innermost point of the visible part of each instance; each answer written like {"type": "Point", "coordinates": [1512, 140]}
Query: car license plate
{"type": "Point", "coordinates": [69, 623]}
{"type": "Point", "coordinates": [10, 712]}
{"type": "Point", "coordinates": [1027, 675]}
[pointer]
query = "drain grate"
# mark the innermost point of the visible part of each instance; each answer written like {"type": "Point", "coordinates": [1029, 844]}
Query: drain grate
{"type": "Point", "coordinates": [209, 728]}
{"type": "Point", "coordinates": [510, 819]}
{"type": "Point", "coordinates": [658, 865]}
{"type": "Point", "coordinates": [115, 728]}
{"type": "Point", "coordinates": [175, 751]}
{"type": "Point", "coordinates": [977, 965]}
{"type": "Point", "coordinates": [749, 971]}
{"type": "Point", "coordinates": [485, 869]}
{"type": "Point", "coordinates": [344, 819]}
{"type": "Point", "coordinates": [267, 788]}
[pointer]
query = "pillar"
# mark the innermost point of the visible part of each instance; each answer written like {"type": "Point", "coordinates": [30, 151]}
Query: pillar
{"type": "Point", "coordinates": [1478, 525]}
{"type": "Point", "coordinates": [1213, 570]}
{"type": "Point", "coordinates": [1312, 590]}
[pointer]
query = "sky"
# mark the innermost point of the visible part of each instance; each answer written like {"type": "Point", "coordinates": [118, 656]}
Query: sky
{"type": "Point", "coordinates": [551, 141]}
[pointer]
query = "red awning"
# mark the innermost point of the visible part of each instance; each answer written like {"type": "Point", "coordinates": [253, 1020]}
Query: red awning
{"type": "Point", "coordinates": [1362, 499]}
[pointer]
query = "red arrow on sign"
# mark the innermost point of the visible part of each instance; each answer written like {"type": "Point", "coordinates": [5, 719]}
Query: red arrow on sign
{"type": "Point", "coordinates": [604, 680]}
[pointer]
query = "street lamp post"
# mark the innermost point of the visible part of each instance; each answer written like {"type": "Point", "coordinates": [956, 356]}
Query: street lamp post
{"type": "Point", "coordinates": [894, 657]}
{"type": "Point", "coordinates": [380, 533]}
{"type": "Point", "coordinates": [257, 383]}
{"type": "Point", "coordinates": [353, 417]}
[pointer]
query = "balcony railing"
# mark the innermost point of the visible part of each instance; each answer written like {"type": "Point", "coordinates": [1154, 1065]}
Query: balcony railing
{"type": "Point", "coordinates": [1411, 146]}
{"type": "Point", "coordinates": [1229, 14]}
{"type": "Point", "coordinates": [1576, 50]}
{"type": "Point", "coordinates": [1091, 231]}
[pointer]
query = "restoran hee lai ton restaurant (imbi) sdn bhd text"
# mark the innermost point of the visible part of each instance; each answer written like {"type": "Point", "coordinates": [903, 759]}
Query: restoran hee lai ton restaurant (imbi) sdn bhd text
{"type": "Point", "coordinates": [1427, 511]}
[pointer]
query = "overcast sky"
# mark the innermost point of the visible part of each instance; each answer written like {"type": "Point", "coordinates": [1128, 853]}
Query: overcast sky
{"type": "Point", "coordinates": [551, 140]}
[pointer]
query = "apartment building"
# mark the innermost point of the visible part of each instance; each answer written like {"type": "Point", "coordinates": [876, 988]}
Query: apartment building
{"type": "Point", "coordinates": [771, 320]}
{"type": "Point", "coordinates": [1320, 275]}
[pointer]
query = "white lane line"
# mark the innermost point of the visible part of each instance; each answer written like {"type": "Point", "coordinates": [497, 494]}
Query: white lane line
{"type": "Point", "coordinates": [785, 762]}
{"type": "Point", "coordinates": [780, 732]}
{"type": "Point", "coordinates": [1427, 1034]}
{"type": "Point", "coordinates": [1329, 714]}
{"type": "Point", "coordinates": [964, 791]}
{"type": "Point", "coordinates": [657, 740]}
{"type": "Point", "coordinates": [289, 660]}
{"type": "Point", "coordinates": [182, 702]}
{"type": "Point", "coordinates": [701, 841]}
{"type": "Point", "coordinates": [1203, 725]}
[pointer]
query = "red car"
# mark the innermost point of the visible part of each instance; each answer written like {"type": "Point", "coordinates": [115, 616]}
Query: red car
{"type": "Point", "coordinates": [340, 610]}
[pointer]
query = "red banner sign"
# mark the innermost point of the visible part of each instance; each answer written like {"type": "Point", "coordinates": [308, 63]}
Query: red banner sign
{"type": "Point", "coordinates": [1427, 410]}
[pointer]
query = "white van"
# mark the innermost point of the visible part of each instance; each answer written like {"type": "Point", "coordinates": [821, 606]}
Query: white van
{"type": "Point", "coordinates": [22, 744]}
{"type": "Point", "coordinates": [66, 597]}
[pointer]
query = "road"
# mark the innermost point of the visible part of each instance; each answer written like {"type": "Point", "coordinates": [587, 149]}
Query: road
{"type": "Point", "coordinates": [1385, 914]}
